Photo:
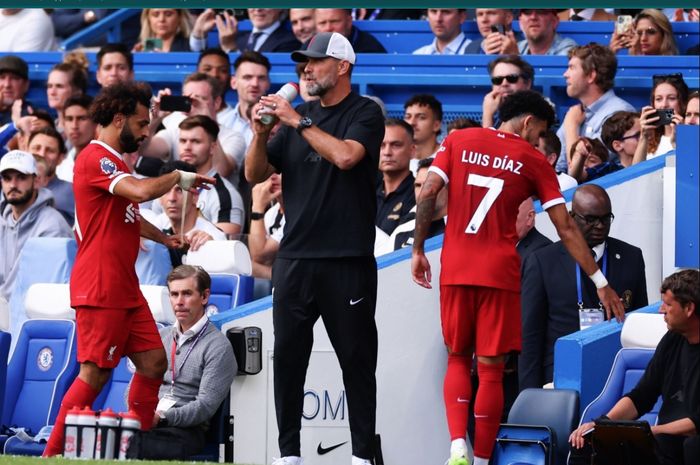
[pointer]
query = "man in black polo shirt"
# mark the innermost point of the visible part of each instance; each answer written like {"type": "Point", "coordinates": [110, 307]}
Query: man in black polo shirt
{"type": "Point", "coordinates": [395, 197]}
{"type": "Point", "coordinates": [328, 152]}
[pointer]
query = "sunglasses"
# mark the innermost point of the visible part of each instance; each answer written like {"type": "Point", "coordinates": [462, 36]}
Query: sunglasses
{"type": "Point", "coordinates": [590, 220]}
{"type": "Point", "coordinates": [649, 31]}
{"type": "Point", "coordinates": [511, 78]}
{"type": "Point", "coordinates": [675, 77]}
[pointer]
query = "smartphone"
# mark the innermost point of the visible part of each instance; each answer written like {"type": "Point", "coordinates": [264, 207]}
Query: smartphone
{"type": "Point", "coordinates": [152, 43]}
{"type": "Point", "coordinates": [498, 28]}
{"type": "Point", "coordinates": [175, 103]}
{"type": "Point", "coordinates": [623, 23]}
{"type": "Point", "coordinates": [665, 117]}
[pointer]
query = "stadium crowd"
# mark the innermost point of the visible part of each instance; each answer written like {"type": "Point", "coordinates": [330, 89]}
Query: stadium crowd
{"type": "Point", "coordinates": [212, 132]}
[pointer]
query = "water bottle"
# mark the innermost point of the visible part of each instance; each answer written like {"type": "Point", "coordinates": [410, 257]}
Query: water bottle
{"type": "Point", "coordinates": [86, 433]}
{"type": "Point", "coordinates": [107, 428]}
{"type": "Point", "coordinates": [130, 425]}
{"type": "Point", "coordinates": [70, 438]}
{"type": "Point", "coordinates": [289, 92]}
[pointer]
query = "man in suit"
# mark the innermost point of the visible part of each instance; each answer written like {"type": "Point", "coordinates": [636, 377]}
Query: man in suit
{"type": "Point", "coordinates": [550, 296]}
{"type": "Point", "coordinates": [529, 238]}
{"type": "Point", "coordinates": [268, 33]}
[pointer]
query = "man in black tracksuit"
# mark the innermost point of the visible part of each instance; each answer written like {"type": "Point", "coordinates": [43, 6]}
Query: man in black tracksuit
{"type": "Point", "coordinates": [328, 153]}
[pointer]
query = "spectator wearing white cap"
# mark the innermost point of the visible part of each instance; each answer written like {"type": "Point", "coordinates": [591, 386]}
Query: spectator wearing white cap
{"type": "Point", "coordinates": [327, 151]}
{"type": "Point", "coordinates": [25, 211]}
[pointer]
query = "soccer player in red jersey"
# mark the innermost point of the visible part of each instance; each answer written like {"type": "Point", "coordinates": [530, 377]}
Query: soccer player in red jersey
{"type": "Point", "coordinates": [112, 316]}
{"type": "Point", "coordinates": [488, 174]}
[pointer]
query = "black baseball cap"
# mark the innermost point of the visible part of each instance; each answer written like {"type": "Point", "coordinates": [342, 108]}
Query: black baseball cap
{"type": "Point", "coordinates": [14, 64]}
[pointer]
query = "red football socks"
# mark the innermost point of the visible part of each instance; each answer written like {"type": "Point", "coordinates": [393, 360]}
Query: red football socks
{"type": "Point", "coordinates": [488, 408]}
{"type": "Point", "coordinates": [457, 391]}
{"type": "Point", "coordinates": [80, 394]}
{"type": "Point", "coordinates": [143, 398]}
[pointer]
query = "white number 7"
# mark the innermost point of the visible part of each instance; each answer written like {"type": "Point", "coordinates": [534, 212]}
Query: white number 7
{"type": "Point", "coordinates": [494, 186]}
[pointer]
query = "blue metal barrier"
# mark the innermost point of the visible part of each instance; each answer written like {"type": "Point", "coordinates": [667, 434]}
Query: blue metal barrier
{"type": "Point", "coordinates": [404, 36]}
{"type": "Point", "coordinates": [687, 197]}
{"type": "Point", "coordinates": [460, 82]}
{"type": "Point", "coordinates": [112, 24]}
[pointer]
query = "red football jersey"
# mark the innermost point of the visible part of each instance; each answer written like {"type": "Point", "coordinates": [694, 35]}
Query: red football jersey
{"type": "Point", "coordinates": [107, 228]}
{"type": "Point", "coordinates": [488, 174]}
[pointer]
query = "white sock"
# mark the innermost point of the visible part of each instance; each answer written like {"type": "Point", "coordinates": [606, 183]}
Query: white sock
{"type": "Point", "coordinates": [480, 461]}
{"type": "Point", "coordinates": [459, 446]}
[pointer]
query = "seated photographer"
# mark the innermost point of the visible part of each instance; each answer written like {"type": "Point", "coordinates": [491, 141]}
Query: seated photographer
{"type": "Point", "coordinates": [201, 367]}
{"type": "Point", "coordinates": [673, 373]}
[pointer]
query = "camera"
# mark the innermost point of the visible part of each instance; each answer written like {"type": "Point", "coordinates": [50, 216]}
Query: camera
{"type": "Point", "coordinates": [665, 117]}
{"type": "Point", "coordinates": [175, 103]}
{"type": "Point", "coordinates": [498, 28]}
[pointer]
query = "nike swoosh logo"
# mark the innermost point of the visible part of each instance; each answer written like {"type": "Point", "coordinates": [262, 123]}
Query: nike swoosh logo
{"type": "Point", "coordinates": [355, 302]}
{"type": "Point", "coordinates": [324, 450]}
{"type": "Point", "coordinates": [459, 399]}
{"type": "Point", "coordinates": [480, 416]}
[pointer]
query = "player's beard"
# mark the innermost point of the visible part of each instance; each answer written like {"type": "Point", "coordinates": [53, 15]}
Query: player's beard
{"type": "Point", "coordinates": [127, 140]}
{"type": "Point", "coordinates": [320, 86]}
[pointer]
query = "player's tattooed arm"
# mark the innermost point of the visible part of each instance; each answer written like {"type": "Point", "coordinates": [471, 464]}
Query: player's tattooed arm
{"type": "Point", "coordinates": [425, 209]}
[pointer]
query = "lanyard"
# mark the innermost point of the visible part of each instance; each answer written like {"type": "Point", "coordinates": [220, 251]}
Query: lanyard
{"type": "Point", "coordinates": [578, 279]}
{"type": "Point", "coordinates": [187, 354]}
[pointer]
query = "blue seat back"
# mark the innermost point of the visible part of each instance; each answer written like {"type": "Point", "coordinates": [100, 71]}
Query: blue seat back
{"type": "Point", "coordinates": [229, 291]}
{"type": "Point", "coordinates": [112, 395]}
{"type": "Point", "coordinates": [42, 260]}
{"type": "Point", "coordinates": [628, 367]}
{"type": "Point", "coordinates": [522, 445]}
{"type": "Point", "coordinates": [560, 415]}
{"type": "Point", "coordinates": [42, 368]}
{"type": "Point", "coordinates": [217, 436]}
{"type": "Point", "coordinates": [4, 352]}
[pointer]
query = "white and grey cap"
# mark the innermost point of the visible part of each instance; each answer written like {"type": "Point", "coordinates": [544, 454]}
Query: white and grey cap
{"type": "Point", "coordinates": [326, 44]}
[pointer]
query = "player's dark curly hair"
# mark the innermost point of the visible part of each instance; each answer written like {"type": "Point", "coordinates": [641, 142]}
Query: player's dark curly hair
{"type": "Point", "coordinates": [119, 98]}
{"type": "Point", "coordinates": [526, 102]}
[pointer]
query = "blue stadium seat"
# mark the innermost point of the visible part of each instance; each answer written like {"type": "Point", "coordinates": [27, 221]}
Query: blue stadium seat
{"type": "Point", "coordinates": [218, 435]}
{"type": "Point", "coordinates": [112, 395]}
{"type": "Point", "coordinates": [4, 352]}
{"type": "Point", "coordinates": [536, 433]}
{"type": "Point", "coordinates": [628, 367]}
{"type": "Point", "coordinates": [42, 368]}
{"type": "Point", "coordinates": [229, 291]}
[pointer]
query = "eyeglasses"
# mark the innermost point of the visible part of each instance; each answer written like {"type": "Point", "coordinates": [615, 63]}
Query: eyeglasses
{"type": "Point", "coordinates": [648, 31]}
{"type": "Point", "coordinates": [511, 78]}
{"type": "Point", "coordinates": [632, 136]}
{"type": "Point", "coordinates": [590, 220]}
{"type": "Point", "coordinates": [674, 77]}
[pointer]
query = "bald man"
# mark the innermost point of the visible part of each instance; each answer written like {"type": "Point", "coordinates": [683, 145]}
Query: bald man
{"type": "Point", "coordinates": [529, 238]}
{"type": "Point", "coordinates": [551, 291]}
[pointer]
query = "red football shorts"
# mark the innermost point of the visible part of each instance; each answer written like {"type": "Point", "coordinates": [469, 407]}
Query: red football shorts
{"type": "Point", "coordinates": [105, 335]}
{"type": "Point", "coordinates": [481, 318]}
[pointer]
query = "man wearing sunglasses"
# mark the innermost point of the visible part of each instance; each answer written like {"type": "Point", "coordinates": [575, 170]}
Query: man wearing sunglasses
{"type": "Point", "coordinates": [509, 74]}
{"type": "Point", "coordinates": [552, 294]}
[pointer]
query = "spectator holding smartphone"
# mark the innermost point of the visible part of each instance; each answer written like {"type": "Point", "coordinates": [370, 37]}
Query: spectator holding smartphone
{"type": "Point", "coordinates": [164, 30]}
{"type": "Point", "coordinates": [651, 34]}
{"type": "Point", "coordinates": [669, 92]}
{"type": "Point", "coordinates": [497, 37]}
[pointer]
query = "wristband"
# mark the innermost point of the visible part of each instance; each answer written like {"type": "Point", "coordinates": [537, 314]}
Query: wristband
{"type": "Point", "coordinates": [598, 279]}
{"type": "Point", "coordinates": [187, 179]}
{"type": "Point", "coordinates": [256, 216]}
